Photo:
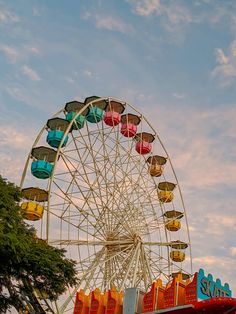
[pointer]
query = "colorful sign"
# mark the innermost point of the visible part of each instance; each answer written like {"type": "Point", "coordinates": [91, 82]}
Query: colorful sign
{"type": "Point", "coordinates": [208, 288]}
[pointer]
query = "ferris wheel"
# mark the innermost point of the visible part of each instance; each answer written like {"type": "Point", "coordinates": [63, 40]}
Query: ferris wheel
{"type": "Point", "coordinates": [99, 183]}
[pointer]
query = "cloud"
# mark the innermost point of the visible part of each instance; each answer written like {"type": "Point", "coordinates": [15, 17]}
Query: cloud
{"type": "Point", "coordinates": [221, 57]}
{"type": "Point", "coordinates": [32, 50]}
{"type": "Point", "coordinates": [88, 73]}
{"type": "Point", "coordinates": [179, 96]}
{"type": "Point", "coordinates": [177, 14]}
{"type": "Point", "coordinates": [206, 260]}
{"type": "Point", "coordinates": [30, 73]}
{"type": "Point", "coordinates": [23, 94]}
{"type": "Point", "coordinates": [146, 7]}
{"type": "Point", "coordinates": [16, 93]}
{"type": "Point", "coordinates": [38, 11]}
{"type": "Point", "coordinates": [233, 251]}
{"type": "Point", "coordinates": [8, 16]}
{"type": "Point", "coordinates": [69, 80]}
{"type": "Point", "coordinates": [10, 52]}
{"type": "Point", "coordinates": [12, 137]}
{"type": "Point", "coordinates": [225, 70]}
{"type": "Point", "coordinates": [23, 52]}
{"type": "Point", "coordinates": [214, 263]}
{"type": "Point", "coordinates": [194, 138]}
{"type": "Point", "coordinates": [172, 12]}
{"type": "Point", "coordinates": [112, 24]}
{"type": "Point", "coordinates": [15, 144]}
{"type": "Point", "coordinates": [218, 223]}
{"type": "Point", "coordinates": [173, 16]}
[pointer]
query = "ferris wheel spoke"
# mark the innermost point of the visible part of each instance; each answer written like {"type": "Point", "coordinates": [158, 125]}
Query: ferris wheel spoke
{"type": "Point", "coordinates": [94, 198]}
{"type": "Point", "coordinates": [81, 211]}
{"type": "Point", "coordinates": [144, 268]}
{"type": "Point", "coordinates": [106, 179]}
{"type": "Point", "coordinates": [79, 187]}
{"type": "Point", "coordinates": [90, 242]}
{"type": "Point", "coordinates": [98, 171]}
{"type": "Point", "coordinates": [130, 266]}
{"type": "Point", "coordinates": [85, 171]}
{"type": "Point", "coordinates": [136, 267]}
{"type": "Point", "coordinates": [126, 187]}
{"type": "Point", "coordinates": [105, 164]}
{"type": "Point", "coordinates": [71, 223]}
{"type": "Point", "coordinates": [107, 186]}
{"type": "Point", "coordinates": [93, 266]}
{"type": "Point", "coordinates": [97, 262]}
{"type": "Point", "coordinates": [157, 264]}
{"type": "Point", "coordinates": [120, 266]}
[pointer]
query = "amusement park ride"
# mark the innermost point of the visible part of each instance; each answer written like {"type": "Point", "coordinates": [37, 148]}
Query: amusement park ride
{"type": "Point", "coordinates": [99, 183]}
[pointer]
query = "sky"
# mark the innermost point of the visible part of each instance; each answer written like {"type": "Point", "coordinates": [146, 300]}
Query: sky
{"type": "Point", "coordinates": [175, 60]}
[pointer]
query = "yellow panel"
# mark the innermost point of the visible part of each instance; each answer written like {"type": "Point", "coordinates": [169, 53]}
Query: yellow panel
{"type": "Point", "coordinates": [173, 225]}
{"type": "Point", "coordinates": [155, 170]}
{"type": "Point", "coordinates": [177, 256]}
{"type": "Point", "coordinates": [32, 210]}
{"type": "Point", "coordinates": [165, 196]}
{"type": "Point", "coordinates": [24, 205]}
{"type": "Point", "coordinates": [32, 207]}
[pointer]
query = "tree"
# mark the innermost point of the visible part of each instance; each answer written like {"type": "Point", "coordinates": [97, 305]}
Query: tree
{"type": "Point", "coordinates": [27, 264]}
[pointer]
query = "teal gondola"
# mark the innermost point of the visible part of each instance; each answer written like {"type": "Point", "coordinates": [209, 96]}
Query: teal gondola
{"type": "Point", "coordinates": [54, 138]}
{"type": "Point", "coordinates": [95, 115]}
{"type": "Point", "coordinates": [96, 109]}
{"type": "Point", "coordinates": [79, 121]}
{"type": "Point", "coordinates": [41, 169]}
{"type": "Point", "coordinates": [57, 128]}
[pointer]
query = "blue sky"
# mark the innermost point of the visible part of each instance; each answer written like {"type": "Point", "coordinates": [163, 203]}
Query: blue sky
{"type": "Point", "coordinates": [174, 60]}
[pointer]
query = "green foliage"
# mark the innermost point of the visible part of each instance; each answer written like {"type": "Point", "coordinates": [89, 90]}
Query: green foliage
{"type": "Point", "coordinates": [27, 264]}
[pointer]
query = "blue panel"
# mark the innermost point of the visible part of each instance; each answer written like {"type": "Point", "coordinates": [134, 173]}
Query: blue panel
{"type": "Point", "coordinates": [41, 169]}
{"type": "Point", "coordinates": [95, 115]}
{"type": "Point", "coordinates": [208, 288]}
{"type": "Point", "coordinates": [54, 138]}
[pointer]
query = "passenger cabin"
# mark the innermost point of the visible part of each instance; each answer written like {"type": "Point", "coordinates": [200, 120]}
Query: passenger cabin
{"type": "Point", "coordinates": [165, 193]}
{"type": "Point", "coordinates": [113, 113]}
{"type": "Point", "coordinates": [172, 220]}
{"type": "Point", "coordinates": [72, 108]}
{"type": "Point", "coordinates": [96, 109]}
{"type": "Point", "coordinates": [144, 140]}
{"type": "Point", "coordinates": [33, 204]}
{"type": "Point", "coordinates": [177, 254]}
{"type": "Point", "coordinates": [129, 123]}
{"type": "Point", "coordinates": [57, 128]}
{"type": "Point", "coordinates": [42, 164]}
{"type": "Point", "coordinates": [156, 165]}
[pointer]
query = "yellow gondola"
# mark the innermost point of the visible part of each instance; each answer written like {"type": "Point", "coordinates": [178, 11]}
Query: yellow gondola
{"type": "Point", "coordinates": [165, 193]}
{"type": "Point", "coordinates": [177, 256]}
{"type": "Point", "coordinates": [32, 209]}
{"type": "Point", "coordinates": [173, 225]}
{"type": "Point", "coordinates": [156, 165]}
